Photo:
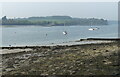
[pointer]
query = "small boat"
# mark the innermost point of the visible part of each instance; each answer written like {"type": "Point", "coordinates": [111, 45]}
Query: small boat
{"type": "Point", "coordinates": [64, 32]}
{"type": "Point", "coordinates": [93, 28]}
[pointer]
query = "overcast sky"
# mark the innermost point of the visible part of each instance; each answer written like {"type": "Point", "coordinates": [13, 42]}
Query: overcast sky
{"type": "Point", "coordinates": [106, 10]}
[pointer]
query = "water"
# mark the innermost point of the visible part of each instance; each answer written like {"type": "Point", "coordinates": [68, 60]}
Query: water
{"type": "Point", "coordinates": [36, 35]}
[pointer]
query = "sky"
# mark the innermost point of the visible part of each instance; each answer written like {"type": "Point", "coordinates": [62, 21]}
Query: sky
{"type": "Point", "coordinates": [105, 10]}
{"type": "Point", "coordinates": [59, 0]}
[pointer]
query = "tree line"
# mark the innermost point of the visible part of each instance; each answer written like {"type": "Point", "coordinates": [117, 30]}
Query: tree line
{"type": "Point", "coordinates": [53, 21]}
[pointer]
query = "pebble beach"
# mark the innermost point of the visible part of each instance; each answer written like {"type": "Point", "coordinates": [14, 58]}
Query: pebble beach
{"type": "Point", "coordinates": [87, 59]}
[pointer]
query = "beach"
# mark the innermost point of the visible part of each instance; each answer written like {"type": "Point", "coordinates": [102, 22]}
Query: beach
{"type": "Point", "coordinates": [69, 39]}
{"type": "Point", "coordinates": [81, 59]}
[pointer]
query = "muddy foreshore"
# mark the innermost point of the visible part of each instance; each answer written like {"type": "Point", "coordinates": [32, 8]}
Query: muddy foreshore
{"type": "Point", "coordinates": [88, 59]}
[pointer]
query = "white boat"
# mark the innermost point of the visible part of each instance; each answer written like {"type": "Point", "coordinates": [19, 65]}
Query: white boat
{"type": "Point", "coordinates": [64, 32]}
{"type": "Point", "coordinates": [93, 28]}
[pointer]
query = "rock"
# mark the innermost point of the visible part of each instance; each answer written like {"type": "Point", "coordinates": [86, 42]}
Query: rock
{"type": "Point", "coordinates": [9, 69]}
{"type": "Point", "coordinates": [94, 49]}
{"type": "Point", "coordinates": [106, 50]}
{"type": "Point", "coordinates": [108, 62]}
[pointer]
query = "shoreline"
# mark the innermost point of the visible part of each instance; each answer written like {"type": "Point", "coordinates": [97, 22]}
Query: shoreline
{"type": "Point", "coordinates": [20, 49]}
{"type": "Point", "coordinates": [77, 42]}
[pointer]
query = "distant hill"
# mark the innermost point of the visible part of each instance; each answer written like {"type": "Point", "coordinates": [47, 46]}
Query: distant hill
{"type": "Point", "coordinates": [53, 21]}
{"type": "Point", "coordinates": [50, 17]}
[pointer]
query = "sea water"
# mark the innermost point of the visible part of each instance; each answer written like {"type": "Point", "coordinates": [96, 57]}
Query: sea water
{"type": "Point", "coordinates": [21, 35]}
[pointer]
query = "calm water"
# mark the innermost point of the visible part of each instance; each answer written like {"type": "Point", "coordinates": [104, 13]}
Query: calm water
{"type": "Point", "coordinates": [36, 35]}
